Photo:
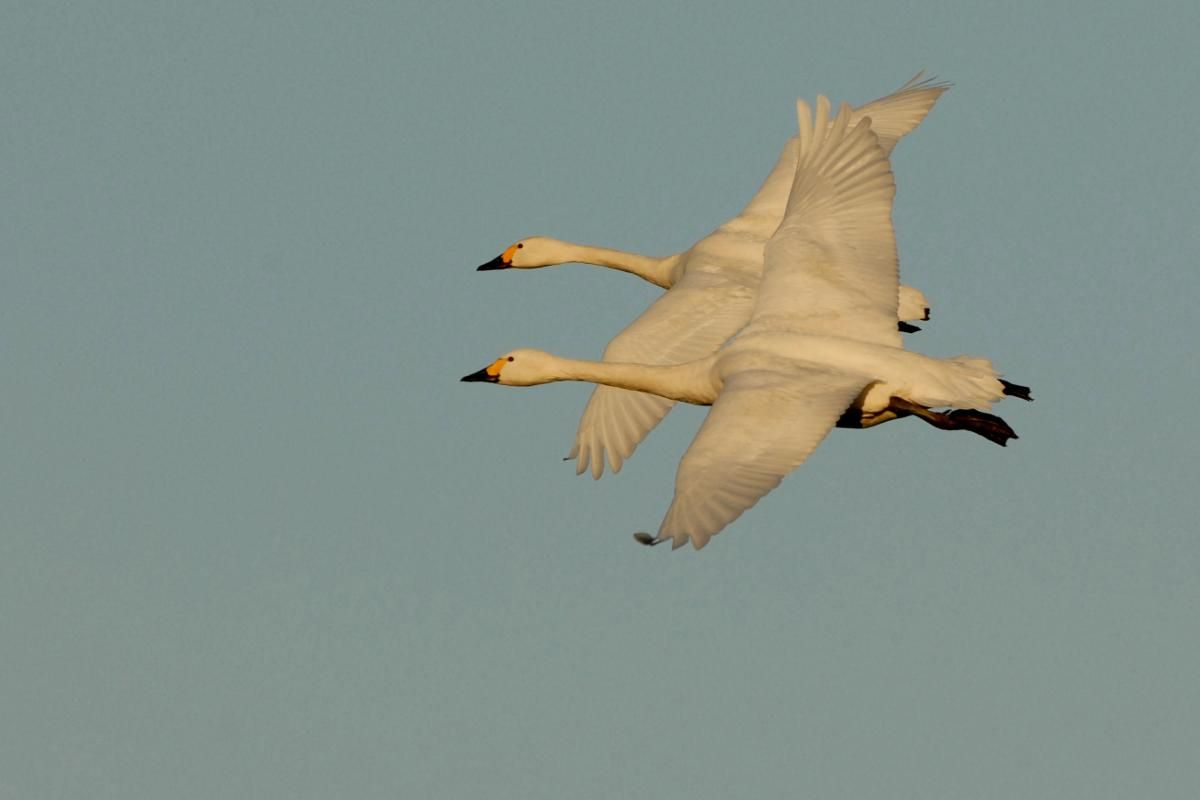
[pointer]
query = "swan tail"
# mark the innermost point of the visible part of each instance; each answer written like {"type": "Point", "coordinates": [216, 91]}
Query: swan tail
{"type": "Point", "coordinates": [914, 306]}
{"type": "Point", "coordinates": [969, 383]}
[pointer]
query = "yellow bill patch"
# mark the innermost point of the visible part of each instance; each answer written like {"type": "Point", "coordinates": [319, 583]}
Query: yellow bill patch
{"type": "Point", "coordinates": [494, 368]}
{"type": "Point", "coordinates": [507, 255]}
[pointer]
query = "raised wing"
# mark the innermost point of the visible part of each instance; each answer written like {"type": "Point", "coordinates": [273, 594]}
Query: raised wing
{"type": "Point", "coordinates": [764, 424]}
{"type": "Point", "coordinates": [892, 118]}
{"type": "Point", "coordinates": [692, 320]}
{"type": "Point", "coordinates": [897, 115]}
{"type": "Point", "coordinates": [771, 197]}
{"type": "Point", "coordinates": [831, 268]}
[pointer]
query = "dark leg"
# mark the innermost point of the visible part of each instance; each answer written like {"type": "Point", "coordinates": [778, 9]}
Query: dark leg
{"type": "Point", "coordinates": [989, 426]}
{"type": "Point", "coordinates": [647, 539]}
{"type": "Point", "coordinates": [852, 418]}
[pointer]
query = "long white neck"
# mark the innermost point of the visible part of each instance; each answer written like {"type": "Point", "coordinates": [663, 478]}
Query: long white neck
{"type": "Point", "coordinates": [688, 383]}
{"type": "Point", "coordinates": [656, 270]}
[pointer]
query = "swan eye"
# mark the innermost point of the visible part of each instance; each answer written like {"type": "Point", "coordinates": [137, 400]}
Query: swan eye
{"type": "Point", "coordinates": [510, 358]}
{"type": "Point", "coordinates": [520, 245]}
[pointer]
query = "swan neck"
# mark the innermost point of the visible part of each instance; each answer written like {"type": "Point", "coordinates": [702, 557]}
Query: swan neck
{"type": "Point", "coordinates": [672, 382]}
{"type": "Point", "coordinates": [654, 270]}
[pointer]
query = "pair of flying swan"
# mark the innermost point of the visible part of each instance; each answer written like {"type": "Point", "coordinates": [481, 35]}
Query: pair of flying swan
{"type": "Point", "coordinates": [786, 320]}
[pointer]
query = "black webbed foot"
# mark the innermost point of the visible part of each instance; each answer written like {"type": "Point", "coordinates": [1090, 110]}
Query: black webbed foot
{"type": "Point", "coordinates": [989, 426]}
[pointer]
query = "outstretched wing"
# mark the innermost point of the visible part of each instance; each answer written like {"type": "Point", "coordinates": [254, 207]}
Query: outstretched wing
{"type": "Point", "coordinates": [831, 268]}
{"type": "Point", "coordinates": [692, 320]}
{"type": "Point", "coordinates": [771, 197]}
{"type": "Point", "coordinates": [897, 115]}
{"type": "Point", "coordinates": [763, 425]}
{"type": "Point", "coordinates": [892, 118]}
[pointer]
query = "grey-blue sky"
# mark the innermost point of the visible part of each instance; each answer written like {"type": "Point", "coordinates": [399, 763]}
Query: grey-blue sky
{"type": "Point", "coordinates": [258, 541]}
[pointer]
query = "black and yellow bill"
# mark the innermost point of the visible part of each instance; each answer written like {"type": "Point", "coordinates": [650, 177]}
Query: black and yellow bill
{"type": "Point", "coordinates": [502, 261]}
{"type": "Point", "coordinates": [490, 373]}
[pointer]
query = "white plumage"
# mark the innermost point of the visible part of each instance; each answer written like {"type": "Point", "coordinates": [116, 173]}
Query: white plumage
{"type": "Point", "coordinates": [821, 339]}
{"type": "Point", "coordinates": [711, 288]}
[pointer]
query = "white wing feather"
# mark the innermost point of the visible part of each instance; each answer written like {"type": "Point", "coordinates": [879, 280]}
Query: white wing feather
{"type": "Point", "coordinates": [764, 424]}
{"type": "Point", "coordinates": [897, 115]}
{"type": "Point", "coordinates": [831, 268]}
{"type": "Point", "coordinates": [699, 314]}
{"type": "Point", "coordinates": [892, 118]}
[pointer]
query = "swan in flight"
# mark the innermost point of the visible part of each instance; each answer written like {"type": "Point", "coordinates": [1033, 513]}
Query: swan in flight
{"type": "Point", "coordinates": [711, 288]}
{"type": "Point", "coordinates": [821, 344]}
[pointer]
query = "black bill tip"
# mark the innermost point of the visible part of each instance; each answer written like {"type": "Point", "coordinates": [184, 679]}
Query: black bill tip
{"type": "Point", "coordinates": [495, 263]}
{"type": "Point", "coordinates": [481, 375]}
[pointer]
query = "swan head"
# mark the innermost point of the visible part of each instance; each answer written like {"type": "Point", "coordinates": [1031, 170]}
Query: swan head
{"type": "Point", "coordinates": [519, 368]}
{"type": "Point", "coordinates": [529, 253]}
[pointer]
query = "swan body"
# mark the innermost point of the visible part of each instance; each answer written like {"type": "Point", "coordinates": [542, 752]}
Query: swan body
{"type": "Point", "coordinates": [821, 342]}
{"type": "Point", "coordinates": [711, 288]}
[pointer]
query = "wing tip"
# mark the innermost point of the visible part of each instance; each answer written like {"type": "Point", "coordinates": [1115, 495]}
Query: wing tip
{"type": "Point", "coordinates": [920, 83]}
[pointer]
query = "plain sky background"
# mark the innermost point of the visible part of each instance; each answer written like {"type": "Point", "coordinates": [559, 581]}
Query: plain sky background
{"type": "Point", "coordinates": [257, 540]}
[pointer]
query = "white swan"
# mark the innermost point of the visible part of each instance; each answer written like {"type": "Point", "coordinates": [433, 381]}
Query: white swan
{"type": "Point", "coordinates": [821, 343]}
{"type": "Point", "coordinates": [711, 287]}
